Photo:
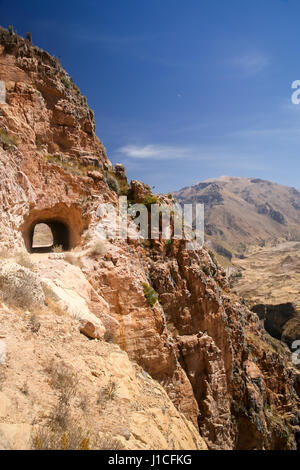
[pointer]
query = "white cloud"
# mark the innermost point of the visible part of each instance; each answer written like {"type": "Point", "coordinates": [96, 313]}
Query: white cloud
{"type": "Point", "coordinates": [215, 156]}
{"type": "Point", "coordinates": [158, 152]}
{"type": "Point", "coordinates": [250, 64]}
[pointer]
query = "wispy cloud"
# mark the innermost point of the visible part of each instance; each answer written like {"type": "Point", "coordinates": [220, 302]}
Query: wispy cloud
{"type": "Point", "coordinates": [158, 152]}
{"type": "Point", "coordinates": [249, 64]}
{"type": "Point", "coordinates": [212, 155]}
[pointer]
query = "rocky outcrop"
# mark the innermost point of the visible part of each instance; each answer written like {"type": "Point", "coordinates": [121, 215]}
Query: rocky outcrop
{"type": "Point", "coordinates": [212, 365]}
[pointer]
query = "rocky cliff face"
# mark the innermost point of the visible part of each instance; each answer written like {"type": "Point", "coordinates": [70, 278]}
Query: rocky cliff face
{"type": "Point", "coordinates": [226, 377]}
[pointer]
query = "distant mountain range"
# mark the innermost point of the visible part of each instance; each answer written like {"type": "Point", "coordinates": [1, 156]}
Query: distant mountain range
{"type": "Point", "coordinates": [243, 212]}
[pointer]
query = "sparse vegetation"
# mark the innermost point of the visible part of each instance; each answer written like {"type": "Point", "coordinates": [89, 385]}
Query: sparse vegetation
{"type": "Point", "coordinates": [24, 388]}
{"type": "Point", "coordinates": [112, 183]}
{"type": "Point", "coordinates": [54, 439]}
{"type": "Point", "coordinates": [109, 336]}
{"type": "Point", "coordinates": [20, 287]}
{"type": "Point", "coordinates": [67, 83]}
{"type": "Point", "coordinates": [7, 139]}
{"type": "Point", "coordinates": [205, 269]}
{"type": "Point", "coordinates": [73, 439]}
{"type": "Point", "coordinates": [57, 249]}
{"type": "Point", "coordinates": [68, 164]}
{"type": "Point", "coordinates": [63, 379]}
{"type": "Point", "coordinates": [87, 236]}
{"type": "Point", "coordinates": [73, 259]}
{"type": "Point", "coordinates": [150, 199]}
{"type": "Point", "coordinates": [108, 392]}
{"type": "Point", "coordinates": [62, 431]}
{"type": "Point", "coordinates": [34, 324]}
{"type": "Point", "coordinates": [150, 294]}
{"type": "Point", "coordinates": [98, 249]}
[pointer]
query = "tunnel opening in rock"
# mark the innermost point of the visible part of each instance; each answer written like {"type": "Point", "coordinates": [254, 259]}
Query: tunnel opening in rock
{"type": "Point", "coordinates": [58, 226]}
{"type": "Point", "coordinates": [47, 235]}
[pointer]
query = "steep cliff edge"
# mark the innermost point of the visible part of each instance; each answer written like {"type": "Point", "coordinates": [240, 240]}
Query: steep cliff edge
{"type": "Point", "coordinates": [220, 369]}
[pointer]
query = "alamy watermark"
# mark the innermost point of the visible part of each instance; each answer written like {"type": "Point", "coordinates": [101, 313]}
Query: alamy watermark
{"type": "Point", "coordinates": [2, 92]}
{"type": "Point", "coordinates": [154, 222]}
{"type": "Point", "coordinates": [296, 353]}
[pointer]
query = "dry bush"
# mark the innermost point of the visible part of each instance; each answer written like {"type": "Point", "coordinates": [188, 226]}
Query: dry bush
{"type": "Point", "coordinates": [57, 249]}
{"type": "Point", "coordinates": [109, 392]}
{"type": "Point", "coordinates": [62, 431]}
{"type": "Point", "coordinates": [98, 249]}
{"type": "Point", "coordinates": [34, 324]}
{"type": "Point", "coordinates": [73, 259]}
{"type": "Point", "coordinates": [74, 438]}
{"type": "Point", "coordinates": [23, 259]}
{"type": "Point", "coordinates": [7, 139]}
{"type": "Point", "coordinates": [21, 287]}
{"type": "Point", "coordinates": [63, 379]}
{"type": "Point", "coordinates": [109, 336]}
{"type": "Point", "coordinates": [24, 388]}
{"type": "Point", "coordinates": [87, 236]}
{"type": "Point", "coordinates": [108, 442]}
{"type": "Point", "coordinates": [112, 183]}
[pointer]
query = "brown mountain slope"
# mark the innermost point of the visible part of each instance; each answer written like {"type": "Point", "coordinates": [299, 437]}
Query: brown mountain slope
{"type": "Point", "coordinates": [245, 211]}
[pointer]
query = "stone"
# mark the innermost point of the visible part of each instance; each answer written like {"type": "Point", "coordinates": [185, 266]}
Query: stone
{"type": "Point", "coordinates": [90, 330]}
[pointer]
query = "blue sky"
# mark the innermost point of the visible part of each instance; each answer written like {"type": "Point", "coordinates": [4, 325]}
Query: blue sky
{"type": "Point", "coordinates": [183, 90]}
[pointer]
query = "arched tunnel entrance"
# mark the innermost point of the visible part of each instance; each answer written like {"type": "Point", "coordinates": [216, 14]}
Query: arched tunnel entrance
{"type": "Point", "coordinates": [60, 226]}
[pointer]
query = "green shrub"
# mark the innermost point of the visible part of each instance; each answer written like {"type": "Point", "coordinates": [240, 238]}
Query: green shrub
{"type": "Point", "coordinates": [112, 184]}
{"type": "Point", "coordinates": [206, 270]}
{"type": "Point", "coordinates": [150, 294]}
{"type": "Point", "coordinates": [66, 82]}
{"type": "Point", "coordinates": [150, 199]}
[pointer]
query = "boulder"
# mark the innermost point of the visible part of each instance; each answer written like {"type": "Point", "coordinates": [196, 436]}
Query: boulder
{"type": "Point", "coordinates": [90, 330]}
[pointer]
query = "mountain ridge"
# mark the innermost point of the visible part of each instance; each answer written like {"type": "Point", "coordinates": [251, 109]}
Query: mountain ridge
{"type": "Point", "coordinates": [245, 211]}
